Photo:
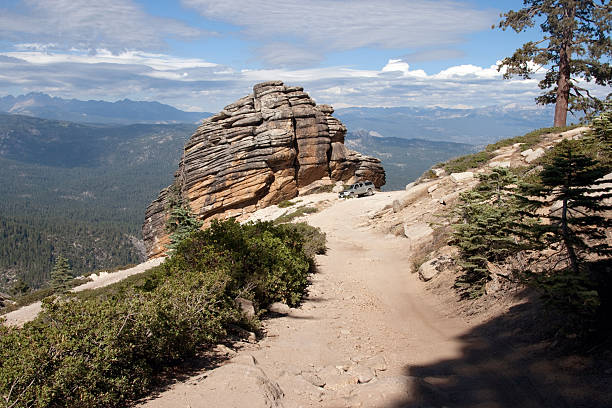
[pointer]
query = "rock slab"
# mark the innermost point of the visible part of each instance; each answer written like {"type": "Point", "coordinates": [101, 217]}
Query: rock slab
{"type": "Point", "coordinates": [258, 151]}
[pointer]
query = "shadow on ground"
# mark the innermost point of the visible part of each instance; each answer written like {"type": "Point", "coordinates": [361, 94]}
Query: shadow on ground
{"type": "Point", "coordinates": [507, 363]}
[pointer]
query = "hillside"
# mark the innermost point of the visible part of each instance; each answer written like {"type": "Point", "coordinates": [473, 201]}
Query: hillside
{"type": "Point", "coordinates": [78, 190]}
{"type": "Point", "coordinates": [120, 112]}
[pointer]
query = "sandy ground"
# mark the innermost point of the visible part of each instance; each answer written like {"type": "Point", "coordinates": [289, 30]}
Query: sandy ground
{"type": "Point", "coordinates": [27, 313]}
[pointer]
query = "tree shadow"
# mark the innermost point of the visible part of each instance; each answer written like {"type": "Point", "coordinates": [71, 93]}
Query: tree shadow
{"type": "Point", "coordinates": [507, 362]}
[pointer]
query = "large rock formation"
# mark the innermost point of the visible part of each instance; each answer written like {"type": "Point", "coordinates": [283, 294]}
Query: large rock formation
{"type": "Point", "coordinates": [258, 151]}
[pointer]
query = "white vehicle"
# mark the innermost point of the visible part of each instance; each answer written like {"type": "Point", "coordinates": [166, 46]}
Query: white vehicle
{"type": "Point", "coordinates": [358, 189]}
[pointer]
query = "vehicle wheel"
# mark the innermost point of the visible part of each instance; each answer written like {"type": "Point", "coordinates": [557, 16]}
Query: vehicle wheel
{"type": "Point", "coordinates": [370, 192]}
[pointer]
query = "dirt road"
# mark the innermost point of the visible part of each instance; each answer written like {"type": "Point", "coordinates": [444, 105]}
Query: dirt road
{"type": "Point", "coordinates": [368, 335]}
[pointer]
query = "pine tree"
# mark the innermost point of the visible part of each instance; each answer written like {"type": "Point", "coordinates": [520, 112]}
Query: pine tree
{"type": "Point", "coordinates": [181, 223]}
{"type": "Point", "coordinates": [485, 231]}
{"type": "Point", "coordinates": [571, 186]}
{"type": "Point", "coordinates": [576, 40]}
{"type": "Point", "coordinates": [573, 180]}
{"type": "Point", "coordinates": [61, 273]}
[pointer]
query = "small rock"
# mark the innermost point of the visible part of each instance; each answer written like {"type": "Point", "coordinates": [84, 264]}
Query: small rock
{"type": "Point", "coordinates": [280, 308]}
{"type": "Point", "coordinates": [314, 379]}
{"type": "Point", "coordinates": [462, 177]}
{"type": "Point", "coordinates": [245, 359]}
{"type": "Point", "coordinates": [222, 349]}
{"type": "Point", "coordinates": [246, 307]}
{"type": "Point", "coordinates": [432, 188]}
{"type": "Point", "coordinates": [338, 188]}
{"type": "Point", "coordinates": [527, 152]}
{"type": "Point", "coordinates": [502, 164]}
{"type": "Point", "coordinates": [363, 374]}
{"type": "Point", "coordinates": [377, 362]}
{"type": "Point", "coordinates": [438, 172]}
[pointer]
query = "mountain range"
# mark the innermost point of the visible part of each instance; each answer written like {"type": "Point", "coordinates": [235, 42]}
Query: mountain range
{"type": "Point", "coordinates": [124, 111]}
{"type": "Point", "coordinates": [477, 126]}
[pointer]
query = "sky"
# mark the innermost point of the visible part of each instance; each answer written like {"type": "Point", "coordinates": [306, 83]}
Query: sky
{"type": "Point", "coordinates": [200, 55]}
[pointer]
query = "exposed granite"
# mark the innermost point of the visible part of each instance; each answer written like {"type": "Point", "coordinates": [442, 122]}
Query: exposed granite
{"type": "Point", "coordinates": [258, 151]}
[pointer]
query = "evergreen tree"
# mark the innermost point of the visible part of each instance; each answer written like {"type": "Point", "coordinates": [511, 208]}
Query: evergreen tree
{"type": "Point", "coordinates": [61, 273]}
{"type": "Point", "coordinates": [571, 185]}
{"type": "Point", "coordinates": [573, 180]}
{"type": "Point", "coordinates": [485, 231]}
{"type": "Point", "coordinates": [576, 39]}
{"type": "Point", "coordinates": [181, 223]}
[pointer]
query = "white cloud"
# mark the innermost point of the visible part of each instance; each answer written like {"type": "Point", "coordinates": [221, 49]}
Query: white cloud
{"type": "Point", "coordinates": [158, 62]}
{"type": "Point", "coordinates": [325, 25]}
{"type": "Point", "coordinates": [207, 86]}
{"type": "Point", "coordinates": [115, 25]}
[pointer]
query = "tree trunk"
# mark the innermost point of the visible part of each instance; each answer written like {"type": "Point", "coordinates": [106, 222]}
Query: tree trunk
{"type": "Point", "coordinates": [565, 54]}
{"type": "Point", "coordinates": [567, 239]}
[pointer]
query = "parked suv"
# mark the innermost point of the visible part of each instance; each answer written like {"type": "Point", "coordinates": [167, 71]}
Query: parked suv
{"type": "Point", "coordinates": [358, 189]}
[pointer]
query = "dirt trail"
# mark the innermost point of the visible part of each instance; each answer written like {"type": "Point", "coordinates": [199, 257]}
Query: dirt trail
{"type": "Point", "coordinates": [368, 335]}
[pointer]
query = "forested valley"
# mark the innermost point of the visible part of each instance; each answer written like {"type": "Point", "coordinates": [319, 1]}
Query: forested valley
{"type": "Point", "coordinates": [78, 191]}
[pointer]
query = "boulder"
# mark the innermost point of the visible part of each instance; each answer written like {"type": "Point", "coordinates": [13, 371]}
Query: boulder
{"type": "Point", "coordinates": [258, 151]}
{"type": "Point", "coordinates": [280, 308]}
{"type": "Point", "coordinates": [462, 177]}
{"type": "Point", "coordinates": [246, 307]}
{"type": "Point", "coordinates": [418, 234]}
{"type": "Point", "coordinates": [439, 172]}
{"type": "Point", "coordinates": [503, 164]}
{"type": "Point", "coordinates": [430, 269]}
{"type": "Point", "coordinates": [534, 154]}
{"type": "Point", "coordinates": [412, 194]}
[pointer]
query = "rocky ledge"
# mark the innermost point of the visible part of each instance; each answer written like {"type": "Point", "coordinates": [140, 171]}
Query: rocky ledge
{"type": "Point", "coordinates": [258, 151]}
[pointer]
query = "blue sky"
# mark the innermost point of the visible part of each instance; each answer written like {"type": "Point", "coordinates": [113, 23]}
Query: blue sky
{"type": "Point", "coordinates": [204, 54]}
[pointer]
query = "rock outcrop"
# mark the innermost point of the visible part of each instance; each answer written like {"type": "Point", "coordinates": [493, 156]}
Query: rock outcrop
{"type": "Point", "coordinates": [258, 151]}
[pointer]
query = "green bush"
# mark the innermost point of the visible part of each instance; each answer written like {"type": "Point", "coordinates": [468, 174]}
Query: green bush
{"type": "Point", "coordinates": [300, 212]}
{"type": "Point", "coordinates": [464, 163]}
{"type": "Point", "coordinates": [103, 348]}
{"type": "Point", "coordinates": [285, 204]}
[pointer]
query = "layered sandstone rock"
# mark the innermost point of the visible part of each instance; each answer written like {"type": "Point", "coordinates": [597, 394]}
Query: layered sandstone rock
{"type": "Point", "coordinates": [258, 151]}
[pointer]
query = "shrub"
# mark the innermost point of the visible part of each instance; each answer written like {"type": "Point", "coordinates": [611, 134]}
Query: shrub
{"type": "Point", "coordinates": [530, 139]}
{"type": "Point", "coordinates": [285, 204]}
{"type": "Point", "coordinates": [300, 212]}
{"type": "Point", "coordinates": [464, 163]}
{"type": "Point", "coordinates": [103, 348]}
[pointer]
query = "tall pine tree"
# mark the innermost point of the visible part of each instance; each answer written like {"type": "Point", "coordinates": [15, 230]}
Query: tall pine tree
{"type": "Point", "coordinates": [574, 46]}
